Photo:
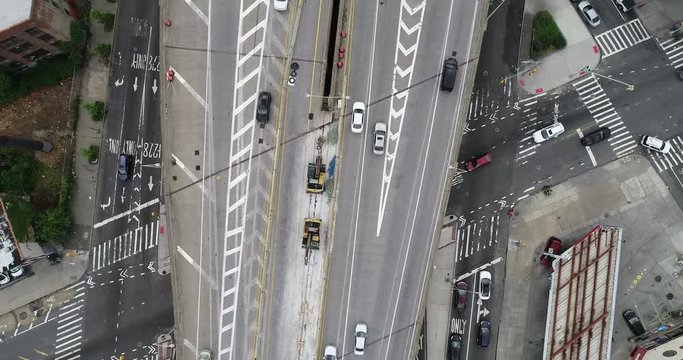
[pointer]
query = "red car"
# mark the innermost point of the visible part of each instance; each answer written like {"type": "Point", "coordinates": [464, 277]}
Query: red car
{"type": "Point", "coordinates": [552, 246]}
{"type": "Point", "coordinates": [461, 294]}
{"type": "Point", "coordinates": [478, 162]}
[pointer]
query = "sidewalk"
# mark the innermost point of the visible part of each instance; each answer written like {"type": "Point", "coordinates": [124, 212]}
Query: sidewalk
{"type": "Point", "coordinates": [439, 296]}
{"type": "Point", "coordinates": [659, 15]}
{"type": "Point", "coordinates": [47, 279]}
{"type": "Point", "coordinates": [563, 66]}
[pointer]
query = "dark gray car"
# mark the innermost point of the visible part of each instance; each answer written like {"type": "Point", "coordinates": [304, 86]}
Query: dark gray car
{"type": "Point", "coordinates": [633, 322]}
{"type": "Point", "coordinates": [123, 167]}
{"type": "Point", "coordinates": [484, 336]}
{"type": "Point", "coordinates": [449, 73]}
{"type": "Point", "coordinates": [263, 108]}
{"type": "Point", "coordinates": [596, 136]}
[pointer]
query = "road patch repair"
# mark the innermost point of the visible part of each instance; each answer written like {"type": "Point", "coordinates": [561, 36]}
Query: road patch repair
{"type": "Point", "coordinates": [627, 194]}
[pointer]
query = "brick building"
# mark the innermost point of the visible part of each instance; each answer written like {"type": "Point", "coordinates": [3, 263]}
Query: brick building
{"type": "Point", "coordinates": [31, 30]}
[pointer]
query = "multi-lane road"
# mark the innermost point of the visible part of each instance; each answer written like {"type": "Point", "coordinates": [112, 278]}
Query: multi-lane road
{"type": "Point", "coordinates": [389, 206]}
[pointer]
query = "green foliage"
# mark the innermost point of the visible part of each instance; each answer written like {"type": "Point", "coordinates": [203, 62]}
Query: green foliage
{"type": "Point", "coordinates": [17, 171]}
{"type": "Point", "coordinates": [547, 190]}
{"type": "Point", "coordinates": [106, 19]}
{"type": "Point", "coordinates": [91, 153]}
{"type": "Point", "coordinates": [95, 109]}
{"type": "Point", "coordinates": [6, 85]}
{"type": "Point", "coordinates": [75, 48]}
{"type": "Point", "coordinates": [103, 52]}
{"type": "Point", "coordinates": [20, 213]}
{"type": "Point", "coordinates": [546, 37]}
{"type": "Point", "coordinates": [53, 225]}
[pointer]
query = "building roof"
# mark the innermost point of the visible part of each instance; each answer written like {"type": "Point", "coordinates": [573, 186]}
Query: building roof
{"type": "Point", "coordinates": [14, 12]}
{"type": "Point", "coordinates": [581, 300]}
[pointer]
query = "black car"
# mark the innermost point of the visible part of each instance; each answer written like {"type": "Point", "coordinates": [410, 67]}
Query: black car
{"type": "Point", "coordinates": [596, 136]}
{"type": "Point", "coordinates": [484, 336]}
{"type": "Point", "coordinates": [449, 73]}
{"type": "Point", "coordinates": [633, 322]}
{"type": "Point", "coordinates": [263, 108]}
{"type": "Point", "coordinates": [454, 346]}
{"type": "Point", "coordinates": [124, 165]}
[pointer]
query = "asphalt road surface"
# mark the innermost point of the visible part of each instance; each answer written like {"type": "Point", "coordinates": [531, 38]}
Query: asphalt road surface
{"type": "Point", "coordinates": [388, 206]}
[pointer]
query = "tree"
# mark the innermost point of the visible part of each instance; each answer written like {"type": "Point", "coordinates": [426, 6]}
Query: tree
{"type": "Point", "coordinates": [53, 226]}
{"type": "Point", "coordinates": [6, 86]}
{"type": "Point", "coordinates": [103, 52]}
{"type": "Point", "coordinates": [95, 109]}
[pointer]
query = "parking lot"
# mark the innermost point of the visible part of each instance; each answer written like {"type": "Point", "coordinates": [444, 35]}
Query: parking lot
{"type": "Point", "coordinates": [627, 193]}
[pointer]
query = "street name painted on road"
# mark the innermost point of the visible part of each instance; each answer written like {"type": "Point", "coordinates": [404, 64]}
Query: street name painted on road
{"type": "Point", "coordinates": [458, 326]}
{"type": "Point", "coordinates": [145, 62]}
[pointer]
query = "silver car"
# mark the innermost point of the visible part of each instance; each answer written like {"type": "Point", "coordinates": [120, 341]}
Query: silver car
{"type": "Point", "coordinates": [548, 132]}
{"type": "Point", "coordinates": [380, 138]}
{"type": "Point", "coordinates": [589, 13]}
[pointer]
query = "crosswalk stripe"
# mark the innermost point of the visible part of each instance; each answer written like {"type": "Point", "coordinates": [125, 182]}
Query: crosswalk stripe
{"type": "Point", "coordinates": [621, 37]}
{"type": "Point", "coordinates": [125, 245]}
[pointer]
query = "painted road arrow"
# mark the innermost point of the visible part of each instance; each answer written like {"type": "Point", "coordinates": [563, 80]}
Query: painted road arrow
{"type": "Point", "coordinates": [150, 267]}
{"type": "Point", "coordinates": [151, 185]}
{"type": "Point", "coordinates": [124, 274]}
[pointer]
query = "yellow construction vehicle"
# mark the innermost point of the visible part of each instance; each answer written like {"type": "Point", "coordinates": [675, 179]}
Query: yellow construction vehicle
{"type": "Point", "coordinates": [316, 176]}
{"type": "Point", "coordinates": [311, 238]}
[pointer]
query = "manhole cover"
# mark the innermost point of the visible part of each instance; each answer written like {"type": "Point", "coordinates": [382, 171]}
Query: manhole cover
{"type": "Point", "coordinates": [485, 73]}
{"type": "Point", "coordinates": [670, 353]}
{"type": "Point", "coordinates": [669, 296]}
{"type": "Point", "coordinates": [23, 316]}
{"type": "Point", "coordinates": [496, 129]}
{"type": "Point", "coordinates": [658, 278]}
{"type": "Point", "coordinates": [538, 167]}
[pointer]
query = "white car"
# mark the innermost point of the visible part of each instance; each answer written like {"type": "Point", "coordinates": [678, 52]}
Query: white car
{"type": "Point", "coordinates": [484, 285]}
{"type": "Point", "coordinates": [280, 5]}
{"type": "Point", "coordinates": [4, 279]}
{"type": "Point", "coordinates": [589, 13]}
{"type": "Point", "coordinates": [16, 271]}
{"type": "Point", "coordinates": [655, 144]}
{"type": "Point", "coordinates": [205, 355]}
{"type": "Point", "coordinates": [548, 132]}
{"type": "Point", "coordinates": [330, 353]}
{"type": "Point", "coordinates": [380, 138]}
{"type": "Point", "coordinates": [361, 335]}
{"type": "Point", "coordinates": [357, 117]}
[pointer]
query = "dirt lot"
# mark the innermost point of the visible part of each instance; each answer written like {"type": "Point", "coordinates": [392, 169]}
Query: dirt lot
{"type": "Point", "coordinates": [42, 115]}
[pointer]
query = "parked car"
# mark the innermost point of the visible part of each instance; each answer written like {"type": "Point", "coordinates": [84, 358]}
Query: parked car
{"type": "Point", "coordinates": [655, 144]}
{"type": "Point", "coordinates": [449, 73]}
{"type": "Point", "coordinates": [478, 162]}
{"type": "Point", "coordinates": [263, 107]}
{"type": "Point", "coordinates": [589, 13]}
{"type": "Point", "coordinates": [357, 117]}
{"type": "Point", "coordinates": [124, 167]}
{"type": "Point", "coordinates": [552, 246]}
{"type": "Point", "coordinates": [454, 346]}
{"type": "Point", "coordinates": [596, 136]}
{"type": "Point", "coordinates": [633, 322]}
{"type": "Point", "coordinates": [280, 5]}
{"type": "Point", "coordinates": [461, 295]}
{"type": "Point", "coordinates": [484, 336]}
{"type": "Point", "coordinates": [361, 335]}
{"type": "Point", "coordinates": [380, 138]}
{"type": "Point", "coordinates": [550, 131]}
{"type": "Point", "coordinates": [205, 355]}
{"type": "Point", "coordinates": [4, 279]}
{"type": "Point", "coordinates": [484, 285]}
{"type": "Point", "coordinates": [16, 271]}
{"type": "Point", "coordinates": [625, 5]}
{"type": "Point", "coordinates": [330, 353]}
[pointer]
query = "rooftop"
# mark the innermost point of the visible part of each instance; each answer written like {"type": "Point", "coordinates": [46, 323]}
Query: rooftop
{"type": "Point", "coordinates": [14, 12]}
{"type": "Point", "coordinates": [582, 294]}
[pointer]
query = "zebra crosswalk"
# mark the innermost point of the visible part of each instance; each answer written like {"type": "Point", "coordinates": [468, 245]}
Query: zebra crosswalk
{"type": "Point", "coordinates": [604, 114]}
{"type": "Point", "coordinates": [70, 325]}
{"type": "Point", "coordinates": [672, 159]}
{"type": "Point", "coordinates": [674, 51]}
{"type": "Point", "coordinates": [124, 246]}
{"type": "Point", "coordinates": [622, 37]}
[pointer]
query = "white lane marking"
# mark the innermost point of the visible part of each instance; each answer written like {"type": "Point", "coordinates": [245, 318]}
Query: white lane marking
{"type": "Point", "coordinates": [188, 87]}
{"type": "Point", "coordinates": [522, 198]}
{"type": "Point", "coordinates": [198, 11]}
{"type": "Point", "coordinates": [588, 149]}
{"type": "Point", "coordinates": [191, 175]}
{"type": "Point", "coordinates": [529, 189]}
{"type": "Point", "coordinates": [399, 115]}
{"type": "Point", "coordinates": [478, 269]}
{"type": "Point", "coordinates": [116, 217]}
